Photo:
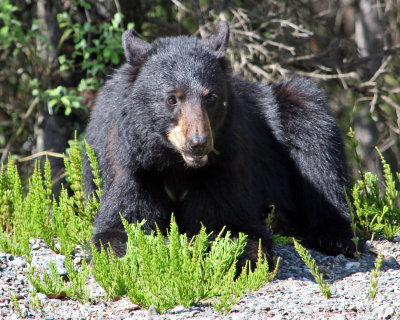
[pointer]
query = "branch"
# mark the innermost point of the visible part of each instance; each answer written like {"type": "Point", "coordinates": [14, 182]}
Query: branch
{"type": "Point", "coordinates": [43, 153]}
{"type": "Point", "coordinates": [349, 75]}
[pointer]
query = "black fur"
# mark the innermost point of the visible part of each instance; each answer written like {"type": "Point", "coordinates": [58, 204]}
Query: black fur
{"type": "Point", "coordinates": [273, 144]}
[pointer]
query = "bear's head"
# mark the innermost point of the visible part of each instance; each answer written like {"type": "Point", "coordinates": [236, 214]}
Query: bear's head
{"type": "Point", "coordinates": [182, 83]}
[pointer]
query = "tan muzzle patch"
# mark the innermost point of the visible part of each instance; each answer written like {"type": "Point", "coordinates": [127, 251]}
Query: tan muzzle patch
{"type": "Point", "coordinates": [193, 121]}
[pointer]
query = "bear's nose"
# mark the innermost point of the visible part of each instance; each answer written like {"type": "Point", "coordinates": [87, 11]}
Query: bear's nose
{"type": "Point", "coordinates": [199, 145]}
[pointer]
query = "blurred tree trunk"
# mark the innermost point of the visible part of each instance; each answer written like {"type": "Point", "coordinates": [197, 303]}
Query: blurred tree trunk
{"type": "Point", "coordinates": [369, 35]}
{"type": "Point", "coordinates": [51, 129]}
{"type": "Point", "coordinates": [55, 129]}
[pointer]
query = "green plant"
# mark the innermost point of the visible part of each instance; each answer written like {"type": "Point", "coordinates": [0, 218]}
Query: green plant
{"type": "Point", "coordinates": [34, 301]}
{"type": "Point", "coordinates": [53, 285]}
{"type": "Point", "coordinates": [95, 48]}
{"type": "Point", "coordinates": [310, 263]}
{"type": "Point", "coordinates": [377, 211]}
{"type": "Point", "coordinates": [373, 289]}
{"type": "Point", "coordinates": [62, 223]}
{"type": "Point", "coordinates": [353, 224]}
{"type": "Point", "coordinates": [93, 203]}
{"type": "Point", "coordinates": [15, 303]}
{"type": "Point", "coordinates": [178, 271]}
{"type": "Point", "coordinates": [270, 218]}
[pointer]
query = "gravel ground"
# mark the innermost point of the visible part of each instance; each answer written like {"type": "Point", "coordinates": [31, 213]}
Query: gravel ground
{"type": "Point", "coordinates": [292, 295]}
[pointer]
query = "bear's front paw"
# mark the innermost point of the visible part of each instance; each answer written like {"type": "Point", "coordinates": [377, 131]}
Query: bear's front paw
{"type": "Point", "coordinates": [333, 245]}
{"type": "Point", "coordinates": [115, 239]}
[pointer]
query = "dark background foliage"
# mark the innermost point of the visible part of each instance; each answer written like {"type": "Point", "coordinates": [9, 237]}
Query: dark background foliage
{"type": "Point", "coordinates": [54, 55]}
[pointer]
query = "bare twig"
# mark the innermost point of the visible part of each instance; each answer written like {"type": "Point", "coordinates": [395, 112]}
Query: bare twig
{"type": "Point", "coordinates": [301, 32]}
{"type": "Point", "coordinates": [382, 69]}
{"type": "Point", "coordinates": [41, 154]}
{"type": "Point", "coordinates": [348, 75]}
{"type": "Point", "coordinates": [342, 79]}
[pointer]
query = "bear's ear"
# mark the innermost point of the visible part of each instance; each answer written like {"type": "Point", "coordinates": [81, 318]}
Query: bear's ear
{"type": "Point", "coordinates": [135, 49]}
{"type": "Point", "coordinates": [218, 39]}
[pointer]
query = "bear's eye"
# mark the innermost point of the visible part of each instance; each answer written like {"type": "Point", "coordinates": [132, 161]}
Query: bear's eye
{"type": "Point", "coordinates": [172, 100]}
{"type": "Point", "coordinates": [211, 98]}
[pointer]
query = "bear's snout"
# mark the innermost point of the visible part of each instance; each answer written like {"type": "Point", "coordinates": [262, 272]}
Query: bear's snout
{"type": "Point", "coordinates": [199, 145]}
{"type": "Point", "coordinates": [193, 136]}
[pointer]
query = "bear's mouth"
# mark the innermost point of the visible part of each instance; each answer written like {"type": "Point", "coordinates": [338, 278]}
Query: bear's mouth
{"type": "Point", "coordinates": [195, 161]}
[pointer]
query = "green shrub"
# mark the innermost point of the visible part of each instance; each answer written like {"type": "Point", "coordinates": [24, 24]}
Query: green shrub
{"type": "Point", "coordinates": [62, 223]}
{"type": "Point", "coordinates": [54, 286]}
{"type": "Point", "coordinates": [310, 263]}
{"type": "Point", "coordinates": [178, 271]}
{"type": "Point", "coordinates": [373, 288]}
{"type": "Point", "coordinates": [96, 47]}
{"type": "Point", "coordinates": [376, 204]}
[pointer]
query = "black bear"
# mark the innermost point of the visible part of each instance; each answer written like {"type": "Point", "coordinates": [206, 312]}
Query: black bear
{"type": "Point", "coordinates": [175, 132]}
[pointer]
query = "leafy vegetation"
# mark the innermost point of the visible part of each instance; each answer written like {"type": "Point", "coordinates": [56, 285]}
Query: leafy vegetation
{"type": "Point", "coordinates": [353, 224]}
{"type": "Point", "coordinates": [95, 48]}
{"type": "Point", "coordinates": [62, 223]}
{"type": "Point", "coordinates": [310, 263]}
{"type": "Point", "coordinates": [38, 67]}
{"type": "Point", "coordinates": [178, 271]}
{"type": "Point", "coordinates": [376, 204]}
{"type": "Point", "coordinates": [53, 285]}
{"type": "Point", "coordinates": [373, 289]}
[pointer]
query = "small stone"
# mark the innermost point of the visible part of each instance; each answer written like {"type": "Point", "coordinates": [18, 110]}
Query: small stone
{"type": "Point", "coordinates": [178, 309]}
{"type": "Point", "coordinates": [78, 260]}
{"type": "Point", "coordinates": [36, 246]}
{"type": "Point", "coordinates": [9, 257]}
{"type": "Point", "coordinates": [396, 239]}
{"type": "Point", "coordinates": [389, 261]}
{"type": "Point", "coordinates": [352, 265]}
{"type": "Point", "coordinates": [328, 258]}
{"type": "Point", "coordinates": [353, 307]}
{"type": "Point", "coordinates": [19, 264]}
{"type": "Point", "coordinates": [340, 258]}
{"type": "Point", "coordinates": [152, 311]}
{"type": "Point", "coordinates": [43, 262]}
{"type": "Point", "coordinates": [42, 297]}
{"type": "Point", "coordinates": [385, 312]}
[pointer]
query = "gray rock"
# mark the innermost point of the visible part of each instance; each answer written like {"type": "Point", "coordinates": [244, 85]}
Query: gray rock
{"type": "Point", "coordinates": [42, 262]}
{"type": "Point", "coordinates": [178, 309]}
{"type": "Point", "coordinates": [152, 311]}
{"type": "Point", "coordinates": [385, 312]}
{"type": "Point", "coordinates": [352, 265]}
{"type": "Point", "coordinates": [36, 246]}
{"type": "Point", "coordinates": [340, 258]}
{"type": "Point", "coordinates": [42, 297]}
{"type": "Point", "coordinates": [389, 261]}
